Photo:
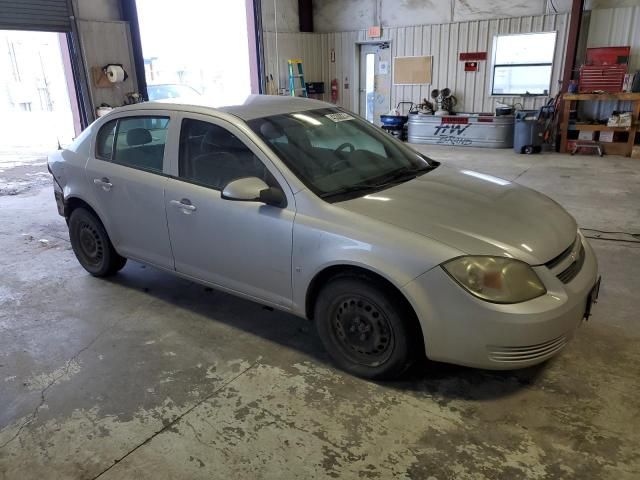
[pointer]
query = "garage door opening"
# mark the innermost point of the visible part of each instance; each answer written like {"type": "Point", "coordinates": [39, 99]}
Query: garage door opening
{"type": "Point", "coordinates": [195, 50]}
{"type": "Point", "coordinates": [35, 105]}
{"type": "Point", "coordinates": [36, 109]}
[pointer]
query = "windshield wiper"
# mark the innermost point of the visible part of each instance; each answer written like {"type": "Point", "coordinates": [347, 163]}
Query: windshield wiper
{"type": "Point", "coordinates": [385, 181]}
{"type": "Point", "coordinates": [358, 187]}
{"type": "Point", "coordinates": [402, 175]}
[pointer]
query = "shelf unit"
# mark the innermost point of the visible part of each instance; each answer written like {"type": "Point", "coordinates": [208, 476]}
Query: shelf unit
{"type": "Point", "coordinates": [613, 148]}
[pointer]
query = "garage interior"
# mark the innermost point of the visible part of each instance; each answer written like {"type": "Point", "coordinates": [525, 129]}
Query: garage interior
{"type": "Point", "coordinates": [145, 375]}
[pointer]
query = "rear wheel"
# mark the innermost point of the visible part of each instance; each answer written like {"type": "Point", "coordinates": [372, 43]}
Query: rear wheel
{"type": "Point", "coordinates": [92, 246]}
{"type": "Point", "coordinates": [367, 331]}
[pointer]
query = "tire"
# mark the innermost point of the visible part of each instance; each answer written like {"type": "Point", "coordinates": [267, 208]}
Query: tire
{"type": "Point", "coordinates": [92, 246]}
{"type": "Point", "coordinates": [367, 331]}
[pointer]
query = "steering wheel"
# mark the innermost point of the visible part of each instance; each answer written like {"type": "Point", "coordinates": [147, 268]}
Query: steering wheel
{"type": "Point", "coordinates": [338, 164]}
{"type": "Point", "coordinates": [338, 150]}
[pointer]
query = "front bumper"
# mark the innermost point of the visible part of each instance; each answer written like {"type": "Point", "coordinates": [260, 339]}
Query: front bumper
{"type": "Point", "coordinates": [462, 329]}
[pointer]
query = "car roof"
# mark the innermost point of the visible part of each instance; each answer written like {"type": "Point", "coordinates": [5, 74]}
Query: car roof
{"type": "Point", "coordinates": [253, 106]}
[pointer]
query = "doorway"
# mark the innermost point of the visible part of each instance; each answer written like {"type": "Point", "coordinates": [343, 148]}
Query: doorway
{"type": "Point", "coordinates": [35, 100]}
{"type": "Point", "coordinates": [196, 50]}
{"type": "Point", "coordinates": [375, 81]}
{"type": "Point", "coordinates": [38, 106]}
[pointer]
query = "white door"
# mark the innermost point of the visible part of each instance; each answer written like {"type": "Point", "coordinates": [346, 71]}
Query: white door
{"type": "Point", "coordinates": [375, 81]}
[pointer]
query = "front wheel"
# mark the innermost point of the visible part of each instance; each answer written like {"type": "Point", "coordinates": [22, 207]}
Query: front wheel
{"type": "Point", "coordinates": [92, 246]}
{"type": "Point", "coordinates": [366, 330]}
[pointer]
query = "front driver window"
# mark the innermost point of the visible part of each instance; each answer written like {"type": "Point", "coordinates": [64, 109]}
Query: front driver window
{"type": "Point", "coordinates": [212, 156]}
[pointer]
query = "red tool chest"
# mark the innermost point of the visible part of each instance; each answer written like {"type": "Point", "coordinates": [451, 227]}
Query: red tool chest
{"type": "Point", "coordinates": [604, 69]}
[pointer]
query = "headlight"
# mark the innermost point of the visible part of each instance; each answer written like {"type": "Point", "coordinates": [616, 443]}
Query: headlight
{"type": "Point", "coordinates": [496, 279]}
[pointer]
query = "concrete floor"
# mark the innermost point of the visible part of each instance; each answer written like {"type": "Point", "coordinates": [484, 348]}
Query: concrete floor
{"type": "Point", "coordinates": [148, 376]}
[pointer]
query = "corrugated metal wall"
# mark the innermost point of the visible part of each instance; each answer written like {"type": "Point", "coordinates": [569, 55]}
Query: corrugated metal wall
{"type": "Point", "coordinates": [613, 27]}
{"type": "Point", "coordinates": [306, 46]}
{"type": "Point", "coordinates": [444, 42]}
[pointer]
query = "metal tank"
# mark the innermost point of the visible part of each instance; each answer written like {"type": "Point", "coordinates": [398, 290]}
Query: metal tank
{"type": "Point", "coordinates": [462, 129]}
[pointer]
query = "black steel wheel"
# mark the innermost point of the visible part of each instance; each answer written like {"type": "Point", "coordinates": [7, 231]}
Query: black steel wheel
{"type": "Point", "coordinates": [367, 330]}
{"type": "Point", "coordinates": [361, 329]}
{"type": "Point", "coordinates": [92, 245]}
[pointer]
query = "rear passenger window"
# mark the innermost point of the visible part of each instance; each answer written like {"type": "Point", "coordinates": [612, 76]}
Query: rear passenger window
{"type": "Point", "coordinates": [140, 142]}
{"type": "Point", "coordinates": [213, 156]}
{"type": "Point", "coordinates": [104, 140]}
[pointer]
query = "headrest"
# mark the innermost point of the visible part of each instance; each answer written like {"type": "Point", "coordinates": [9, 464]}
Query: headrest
{"type": "Point", "coordinates": [271, 131]}
{"type": "Point", "coordinates": [210, 141]}
{"type": "Point", "coordinates": [138, 136]}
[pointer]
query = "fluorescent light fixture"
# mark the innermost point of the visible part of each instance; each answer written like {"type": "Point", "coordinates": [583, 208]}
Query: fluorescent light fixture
{"type": "Point", "coordinates": [488, 178]}
{"type": "Point", "coordinates": [306, 118]}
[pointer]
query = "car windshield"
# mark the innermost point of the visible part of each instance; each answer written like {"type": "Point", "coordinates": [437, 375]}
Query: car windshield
{"type": "Point", "coordinates": [161, 92]}
{"type": "Point", "coordinates": [338, 155]}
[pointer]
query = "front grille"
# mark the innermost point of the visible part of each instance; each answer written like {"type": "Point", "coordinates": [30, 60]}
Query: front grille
{"type": "Point", "coordinates": [572, 270]}
{"type": "Point", "coordinates": [528, 352]}
{"type": "Point", "coordinates": [554, 262]}
{"type": "Point", "coordinates": [569, 272]}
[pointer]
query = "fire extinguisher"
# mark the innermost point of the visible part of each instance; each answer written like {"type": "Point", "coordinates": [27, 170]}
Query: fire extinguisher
{"type": "Point", "coordinates": [334, 90]}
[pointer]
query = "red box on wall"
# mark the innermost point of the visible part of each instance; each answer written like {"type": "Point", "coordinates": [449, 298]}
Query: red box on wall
{"type": "Point", "coordinates": [470, 66]}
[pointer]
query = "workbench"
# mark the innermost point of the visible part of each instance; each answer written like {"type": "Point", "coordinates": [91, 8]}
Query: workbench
{"type": "Point", "coordinates": [612, 148]}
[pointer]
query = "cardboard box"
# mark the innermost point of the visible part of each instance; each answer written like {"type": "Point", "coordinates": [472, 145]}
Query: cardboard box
{"type": "Point", "coordinates": [606, 137]}
{"type": "Point", "coordinates": [586, 135]}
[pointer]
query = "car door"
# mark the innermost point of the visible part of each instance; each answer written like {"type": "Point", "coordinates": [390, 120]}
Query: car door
{"type": "Point", "coordinates": [242, 246]}
{"type": "Point", "coordinates": [125, 175]}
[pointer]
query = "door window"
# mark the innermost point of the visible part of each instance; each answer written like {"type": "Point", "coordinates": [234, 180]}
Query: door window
{"type": "Point", "coordinates": [140, 142]}
{"type": "Point", "coordinates": [369, 85]}
{"type": "Point", "coordinates": [212, 156]}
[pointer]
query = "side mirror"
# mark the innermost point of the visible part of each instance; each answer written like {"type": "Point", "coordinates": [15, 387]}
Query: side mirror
{"type": "Point", "coordinates": [253, 189]}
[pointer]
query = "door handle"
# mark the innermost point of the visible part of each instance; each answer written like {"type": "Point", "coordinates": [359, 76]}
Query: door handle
{"type": "Point", "coordinates": [104, 183]}
{"type": "Point", "coordinates": [184, 204]}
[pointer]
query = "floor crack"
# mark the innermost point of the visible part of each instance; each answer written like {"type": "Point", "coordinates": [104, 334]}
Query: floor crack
{"type": "Point", "coordinates": [43, 392]}
{"type": "Point", "coordinates": [522, 173]}
{"type": "Point", "coordinates": [177, 419]}
{"type": "Point", "coordinates": [197, 435]}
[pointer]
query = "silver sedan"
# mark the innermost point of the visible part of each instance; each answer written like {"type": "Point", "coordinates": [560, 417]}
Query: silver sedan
{"type": "Point", "coordinates": [302, 206]}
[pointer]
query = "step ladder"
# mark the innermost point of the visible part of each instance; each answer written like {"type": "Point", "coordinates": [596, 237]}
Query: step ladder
{"type": "Point", "coordinates": [292, 78]}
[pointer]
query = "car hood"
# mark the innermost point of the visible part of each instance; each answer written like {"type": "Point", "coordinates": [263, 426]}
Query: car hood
{"type": "Point", "coordinates": [475, 213]}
